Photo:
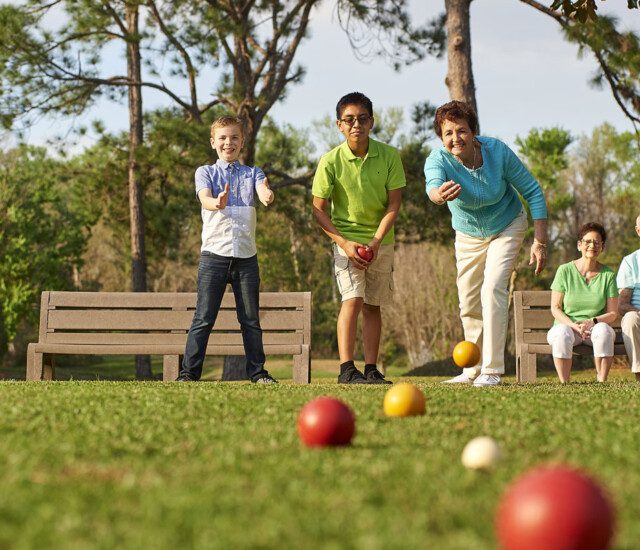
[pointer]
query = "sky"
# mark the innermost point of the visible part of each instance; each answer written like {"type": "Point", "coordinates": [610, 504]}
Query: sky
{"type": "Point", "coordinates": [526, 75]}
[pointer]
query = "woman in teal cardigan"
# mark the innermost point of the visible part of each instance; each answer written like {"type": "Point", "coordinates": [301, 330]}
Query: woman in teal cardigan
{"type": "Point", "coordinates": [479, 179]}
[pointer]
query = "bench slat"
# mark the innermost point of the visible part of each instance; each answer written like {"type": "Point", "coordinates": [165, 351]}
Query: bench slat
{"type": "Point", "coordinates": [268, 338]}
{"type": "Point", "coordinates": [167, 349]}
{"type": "Point", "coordinates": [537, 318]}
{"type": "Point", "coordinates": [106, 319]}
{"type": "Point", "coordinates": [536, 298]}
{"type": "Point", "coordinates": [543, 319]}
{"type": "Point", "coordinates": [166, 300]}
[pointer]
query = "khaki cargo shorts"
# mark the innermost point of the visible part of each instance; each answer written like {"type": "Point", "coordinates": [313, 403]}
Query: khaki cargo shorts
{"type": "Point", "coordinates": [375, 284]}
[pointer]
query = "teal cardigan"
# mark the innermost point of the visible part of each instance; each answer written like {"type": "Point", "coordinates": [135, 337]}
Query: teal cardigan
{"type": "Point", "coordinates": [488, 202]}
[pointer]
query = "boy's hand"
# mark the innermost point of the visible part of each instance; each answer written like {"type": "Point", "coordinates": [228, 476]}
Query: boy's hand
{"type": "Point", "coordinates": [265, 194]}
{"type": "Point", "coordinates": [351, 248]}
{"type": "Point", "coordinates": [221, 199]}
{"type": "Point", "coordinates": [374, 246]}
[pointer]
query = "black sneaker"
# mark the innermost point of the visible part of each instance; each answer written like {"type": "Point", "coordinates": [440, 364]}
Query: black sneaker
{"type": "Point", "coordinates": [374, 376]}
{"type": "Point", "coordinates": [267, 379]}
{"type": "Point", "coordinates": [351, 376]}
{"type": "Point", "coordinates": [185, 378]}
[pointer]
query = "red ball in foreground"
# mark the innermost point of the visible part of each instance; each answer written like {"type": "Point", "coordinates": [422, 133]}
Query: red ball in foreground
{"type": "Point", "coordinates": [555, 508]}
{"type": "Point", "coordinates": [365, 253]}
{"type": "Point", "coordinates": [326, 421]}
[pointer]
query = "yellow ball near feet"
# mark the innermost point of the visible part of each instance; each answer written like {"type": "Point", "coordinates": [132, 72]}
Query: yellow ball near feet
{"type": "Point", "coordinates": [404, 400]}
{"type": "Point", "coordinates": [466, 354]}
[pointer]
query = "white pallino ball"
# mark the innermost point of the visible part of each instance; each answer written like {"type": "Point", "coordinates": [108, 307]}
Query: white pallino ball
{"type": "Point", "coordinates": [481, 453]}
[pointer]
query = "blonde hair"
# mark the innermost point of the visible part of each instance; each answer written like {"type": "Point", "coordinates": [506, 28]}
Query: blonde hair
{"type": "Point", "coordinates": [228, 120]}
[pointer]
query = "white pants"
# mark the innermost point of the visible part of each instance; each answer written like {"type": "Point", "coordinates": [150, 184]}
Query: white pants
{"type": "Point", "coordinates": [484, 268]}
{"type": "Point", "coordinates": [562, 339]}
{"type": "Point", "coordinates": [631, 337]}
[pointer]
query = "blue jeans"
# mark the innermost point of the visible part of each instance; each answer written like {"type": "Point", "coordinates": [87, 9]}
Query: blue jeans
{"type": "Point", "coordinates": [214, 272]}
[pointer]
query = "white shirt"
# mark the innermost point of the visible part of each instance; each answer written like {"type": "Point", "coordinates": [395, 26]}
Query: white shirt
{"type": "Point", "coordinates": [231, 231]}
{"type": "Point", "coordinates": [629, 276]}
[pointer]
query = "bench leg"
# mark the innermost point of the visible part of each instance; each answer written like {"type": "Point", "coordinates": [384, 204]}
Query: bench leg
{"type": "Point", "coordinates": [302, 366]}
{"type": "Point", "coordinates": [170, 367]}
{"type": "Point", "coordinates": [35, 362]}
{"type": "Point", "coordinates": [528, 365]}
{"type": "Point", "coordinates": [48, 367]}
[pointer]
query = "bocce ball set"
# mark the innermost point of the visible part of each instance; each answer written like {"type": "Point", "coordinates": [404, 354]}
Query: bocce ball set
{"type": "Point", "coordinates": [548, 508]}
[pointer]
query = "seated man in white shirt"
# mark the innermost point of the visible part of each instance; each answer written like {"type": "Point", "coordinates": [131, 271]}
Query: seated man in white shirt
{"type": "Point", "coordinates": [628, 280]}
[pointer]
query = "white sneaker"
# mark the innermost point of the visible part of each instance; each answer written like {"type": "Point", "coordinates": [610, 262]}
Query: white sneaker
{"type": "Point", "coordinates": [460, 379]}
{"type": "Point", "coordinates": [487, 380]}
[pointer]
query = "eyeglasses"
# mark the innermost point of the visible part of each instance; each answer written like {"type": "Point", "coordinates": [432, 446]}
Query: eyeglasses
{"type": "Point", "coordinates": [588, 242]}
{"type": "Point", "coordinates": [351, 120]}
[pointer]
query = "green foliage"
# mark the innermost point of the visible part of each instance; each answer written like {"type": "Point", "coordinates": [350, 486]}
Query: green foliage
{"type": "Point", "coordinates": [172, 150]}
{"type": "Point", "coordinates": [233, 474]}
{"type": "Point", "coordinates": [546, 154]}
{"type": "Point", "coordinates": [42, 234]}
{"type": "Point", "coordinates": [294, 253]}
{"type": "Point", "coordinates": [597, 180]}
{"type": "Point", "coordinates": [584, 10]}
{"type": "Point", "coordinates": [618, 56]}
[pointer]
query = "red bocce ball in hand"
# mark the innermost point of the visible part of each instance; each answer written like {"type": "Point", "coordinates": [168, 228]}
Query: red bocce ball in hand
{"type": "Point", "coordinates": [326, 421]}
{"type": "Point", "coordinates": [365, 253]}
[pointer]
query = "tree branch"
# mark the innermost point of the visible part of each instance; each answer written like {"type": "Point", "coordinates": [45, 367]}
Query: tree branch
{"type": "Point", "coordinates": [191, 73]}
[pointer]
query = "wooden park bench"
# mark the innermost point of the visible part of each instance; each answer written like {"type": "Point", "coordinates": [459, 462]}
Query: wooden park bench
{"type": "Point", "coordinates": [157, 323]}
{"type": "Point", "coordinates": [533, 319]}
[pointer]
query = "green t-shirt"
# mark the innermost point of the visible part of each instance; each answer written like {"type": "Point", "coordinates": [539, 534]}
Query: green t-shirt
{"type": "Point", "coordinates": [581, 300]}
{"type": "Point", "coordinates": [358, 188]}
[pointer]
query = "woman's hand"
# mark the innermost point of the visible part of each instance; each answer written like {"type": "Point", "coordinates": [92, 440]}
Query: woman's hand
{"type": "Point", "coordinates": [538, 256]}
{"type": "Point", "coordinates": [584, 328]}
{"type": "Point", "coordinates": [448, 191]}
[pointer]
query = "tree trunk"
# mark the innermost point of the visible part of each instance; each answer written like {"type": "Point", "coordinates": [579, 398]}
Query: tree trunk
{"type": "Point", "coordinates": [459, 70]}
{"type": "Point", "coordinates": [136, 197]}
{"type": "Point", "coordinates": [235, 368]}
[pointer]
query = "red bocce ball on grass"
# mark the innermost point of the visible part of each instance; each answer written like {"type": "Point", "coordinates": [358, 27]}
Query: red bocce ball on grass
{"type": "Point", "coordinates": [326, 421]}
{"type": "Point", "coordinates": [555, 508]}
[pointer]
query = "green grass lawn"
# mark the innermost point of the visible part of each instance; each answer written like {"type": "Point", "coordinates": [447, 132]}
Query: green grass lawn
{"type": "Point", "coordinates": [219, 465]}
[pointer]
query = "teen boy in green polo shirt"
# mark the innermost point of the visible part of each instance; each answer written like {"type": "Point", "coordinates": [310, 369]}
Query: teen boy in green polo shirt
{"type": "Point", "coordinates": [362, 178]}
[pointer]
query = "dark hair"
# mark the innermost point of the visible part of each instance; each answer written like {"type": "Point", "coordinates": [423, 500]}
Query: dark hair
{"type": "Point", "coordinates": [354, 98]}
{"type": "Point", "coordinates": [592, 226]}
{"type": "Point", "coordinates": [455, 110]}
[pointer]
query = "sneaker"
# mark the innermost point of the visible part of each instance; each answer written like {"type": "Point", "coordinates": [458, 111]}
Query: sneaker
{"type": "Point", "coordinates": [460, 379]}
{"type": "Point", "coordinates": [374, 376]}
{"type": "Point", "coordinates": [487, 380]}
{"type": "Point", "coordinates": [185, 378]}
{"type": "Point", "coordinates": [352, 376]}
{"type": "Point", "coordinates": [267, 379]}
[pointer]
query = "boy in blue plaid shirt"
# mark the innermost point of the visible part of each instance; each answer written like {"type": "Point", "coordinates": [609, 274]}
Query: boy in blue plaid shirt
{"type": "Point", "coordinates": [226, 191]}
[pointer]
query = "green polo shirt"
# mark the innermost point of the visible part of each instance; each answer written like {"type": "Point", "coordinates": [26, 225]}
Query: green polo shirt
{"type": "Point", "coordinates": [581, 300]}
{"type": "Point", "coordinates": [358, 188]}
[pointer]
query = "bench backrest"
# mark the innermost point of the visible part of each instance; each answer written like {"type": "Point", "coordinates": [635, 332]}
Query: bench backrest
{"type": "Point", "coordinates": [164, 318]}
{"type": "Point", "coordinates": [533, 318]}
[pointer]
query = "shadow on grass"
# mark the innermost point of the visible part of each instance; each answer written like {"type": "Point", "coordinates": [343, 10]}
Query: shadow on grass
{"type": "Point", "coordinates": [446, 367]}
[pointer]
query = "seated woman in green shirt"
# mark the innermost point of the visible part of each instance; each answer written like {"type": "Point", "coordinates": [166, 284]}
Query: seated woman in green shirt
{"type": "Point", "coordinates": [584, 303]}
